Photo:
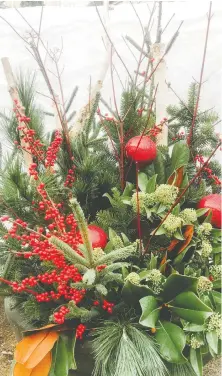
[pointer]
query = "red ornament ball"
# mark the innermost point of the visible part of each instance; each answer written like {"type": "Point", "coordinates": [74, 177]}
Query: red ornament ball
{"type": "Point", "coordinates": [97, 236]}
{"type": "Point", "coordinates": [212, 202]}
{"type": "Point", "coordinates": [141, 149]}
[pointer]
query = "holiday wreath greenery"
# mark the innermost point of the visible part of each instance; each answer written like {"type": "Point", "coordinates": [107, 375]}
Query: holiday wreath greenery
{"type": "Point", "coordinates": [115, 244]}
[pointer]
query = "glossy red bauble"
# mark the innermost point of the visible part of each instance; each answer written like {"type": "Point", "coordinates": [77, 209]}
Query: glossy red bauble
{"type": "Point", "coordinates": [212, 202]}
{"type": "Point", "coordinates": [141, 149]}
{"type": "Point", "coordinates": [97, 236]}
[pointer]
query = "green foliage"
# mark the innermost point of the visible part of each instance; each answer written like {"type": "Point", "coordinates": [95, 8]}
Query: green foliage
{"type": "Point", "coordinates": [123, 350]}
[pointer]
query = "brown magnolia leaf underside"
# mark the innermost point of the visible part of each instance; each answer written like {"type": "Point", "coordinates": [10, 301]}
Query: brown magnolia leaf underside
{"type": "Point", "coordinates": [182, 244]}
{"type": "Point", "coordinates": [177, 177]}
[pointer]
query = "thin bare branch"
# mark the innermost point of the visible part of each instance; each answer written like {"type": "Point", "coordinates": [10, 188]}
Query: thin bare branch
{"type": "Point", "coordinates": [137, 15]}
{"type": "Point", "coordinates": [190, 136]}
{"type": "Point", "coordinates": [167, 24]}
{"type": "Point", "coordinates": [40, 25]}
{"type": "Point", "coordinates": [159, 29]}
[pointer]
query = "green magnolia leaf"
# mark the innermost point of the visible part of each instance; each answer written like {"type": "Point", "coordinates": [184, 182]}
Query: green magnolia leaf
{"type": "Point", "coordinates": [178, 235]}
{"type": "Point", "coordinates": [216, 233]}
{"type": "Point", "coordinates": [176, 210]}
{"type": "Point", "coordinates": [160, 231]}
{"type": "Point", "coordinates": [148, 213]}
{"type": "Point", "coordinates": [189, 327]}
{"type": "Point", "coordinates": [171, 340]}
{"type": "Point", "coordinates": [196, 361]}
{"type": "Point", "coordinates": [61, 365]}
{"type": "Point", "coordinates": [217, 300]}
{"type": "Point", "coordinates": [217, 284]}
{"type": "Point", "coordinates": [70, 342]}
{"type": "Point", "coordinates": [212, 340]}
{"type": "Point", "coordinates": [159, 167]}
{"type": "Point", "coordinates": [209, 217]}
{"type": "Point", "coordinates": [217, 249]}
{"type": "Point", "coordinates": [176, 283]}
{"type": "Point", "coordinates": [153, 262]}
{"type": "Point", "coordinates": [151, 185]}
{"type": "Point", "coordinates": [142, 181]}
{"type": "Point", "coordinates": [189, 307]}
{"type": "Point", "coordinates": [150, 311]}
{"type": "Point", "coordinates": [180, 156]}
{"type": "Point", "coordinates": [201, 212]}
{"type": "Point", "coordinates": [132, 293]}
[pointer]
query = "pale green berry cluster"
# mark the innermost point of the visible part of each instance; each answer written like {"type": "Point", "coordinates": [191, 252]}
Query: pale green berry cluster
{"type": "Point", "coordinates": [172, 224]}
{"type": "Point", "coordinates": [145, 200]}
{"type": "Point", "coordinates": [205, 228]}
{"type": "Point", "coordinates": [166, 194]}
{"type": "Point", "coordinates": [195, 342]}
{"type": "Point", "coordinates": [204, 285]}
{"type": "Point", "coordinates": [216, 271]}
{"type": "Point", "coordinates": [155, 279]}
{"type": "Point", "coordinates": [189, 215]}
{"type": "Point", "coordinates": [215, 324]}
{"type": "Point", "coordinates": [117, 242]}
{"type": "Point", "coordinates": [206, 248]}
{"type": "Point", "coordinates": [98, 253]}
{"type": "Point", "coordinates": [133, 278]}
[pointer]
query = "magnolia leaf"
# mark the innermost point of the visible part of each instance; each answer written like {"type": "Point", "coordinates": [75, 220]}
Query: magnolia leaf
{"type": "Point", "coordinates": [176, 283]}
{"type": "Point", "coordinates": [178, 235]}
{"type": "Point", "coordinates": [160, 231]}
{"type": "Point", "coordinates": [153, 262]}
{"type": "Point", "coordinates": [159, 167]}
{"type": "Point", "coordinates": [151, 185]}
{"type": "Point", "coordinates": [171, 340]}
{"type": "Point", "coordinates": [44, 347]}
{"type": "Point", "coordinates": [212, 340]}
{"type": "Point", "coordinates": [190, 327]}
{"type": "Point", "coordinates": [148, 213]}
{"type": "Point", "coordinates": [217, 300]}
{"type": "Point", "coordinates": [190, 308]}
{"type": "Point", "coordinates": [150, 311]}
{"type": "Point", "coordinates": [61, 361]}
{"type": "Point", "coordinates": [201, 212]}
{"type": "Point", "coordinates": [132, 293]}
{"type": "Point", "coordinates": [142, 181]}
{"type": "Point", "coordinates": [180, 156]}
{"type": "Point", "coordinates": [176, 178]}
{"type": "Point", "coordinates": [70, 342]}
{"type": "Point", "coordinates": [179, 246]}
{"type": "Point", "coordinates": [43, 367]}
{"type": "Point", "coordinates": [196, 361]}
{"type": "Point", "coordinates": [176, 210]}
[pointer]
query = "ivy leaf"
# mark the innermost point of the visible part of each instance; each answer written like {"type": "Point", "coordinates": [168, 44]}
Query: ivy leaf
{"type": "Point", "coordinates": [180, 156]}
{"type": "Point", "coordinates": [142, 181]}
{"type": "Point", "coordinates": [150, 311]}
{"type": "Point", "coordinates": [176, 283]}
{"type": "Point", "coordinates": [151, 185]}
{"type": "Point", "coordinates": [212, 340]}
{"type": "Point", "coordinates": [189, 307]}
{"type": "Point", "coordinates": [196, 361]}
{"type": "Point", "coordinates": [171, 340]}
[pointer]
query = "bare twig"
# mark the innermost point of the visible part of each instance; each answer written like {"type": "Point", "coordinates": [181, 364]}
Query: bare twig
{"type": "Point", "coordinates": [165, 27]}
{"type": "Point", "coordinates": [174, 37]}
{"type": "Point", "coordinates": [124, 39]}
{"type": "Point", "coordinates": [107, 34]}
{"type": "Point", "coordinates": [69, 104]}
{"type": "Point", "coordinates": [40, 25]}
{"type": "Point", "coordinates": [137, 15]}
{"type": "Point", "coordinates": [190, 136]}
{"type": "Point", "coordinates": [137, 46]}
{"type": "Point", "coordinates": [108, 107]}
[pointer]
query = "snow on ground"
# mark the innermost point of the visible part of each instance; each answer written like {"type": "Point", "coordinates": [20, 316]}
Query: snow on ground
{"type": "Point", "coordinates": [83, 51]}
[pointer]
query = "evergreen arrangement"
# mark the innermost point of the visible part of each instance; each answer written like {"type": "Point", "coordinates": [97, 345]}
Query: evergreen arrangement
{"type": "Point", "coordinates": [111, 242]}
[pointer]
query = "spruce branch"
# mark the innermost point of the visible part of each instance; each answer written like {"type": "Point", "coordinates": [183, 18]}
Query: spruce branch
{"type": "Point", "coordinates": [68, 252]}
{"type": "Point", "coordinates": [79, 215]}
{"type": "Point", "coordinates": [118, 254]}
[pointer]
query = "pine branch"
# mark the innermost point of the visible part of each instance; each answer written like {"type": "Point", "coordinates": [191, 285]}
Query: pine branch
{"type": "Point", "coordinates": [118, 254]}
{"type": "Point", "coordinates": [68, 252]}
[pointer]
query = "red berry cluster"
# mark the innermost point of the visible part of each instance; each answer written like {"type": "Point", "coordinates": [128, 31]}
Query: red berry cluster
{"type": "Point", "coordinates": [70, 178]}
{"type": "Point", "coordinates": [53, 149]}
{"type": "Point", "coordinates": [59, 316]}
{"type": "Point", "coordinates": [107, 306]}
{"type": "Point", "coordinates": [32, 171]}
{"type": "Point", "coordinates": [100, 267]}
{"type": "Point", "coordinates": [80, 331]}
{"type": "Point", "coordinates": [179, 136]}
{"type": "Point", "coordinates": [206, 170]}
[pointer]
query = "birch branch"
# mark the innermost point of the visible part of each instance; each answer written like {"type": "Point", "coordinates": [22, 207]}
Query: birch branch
{"type": "Point", "coordinates": [15, 99]}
